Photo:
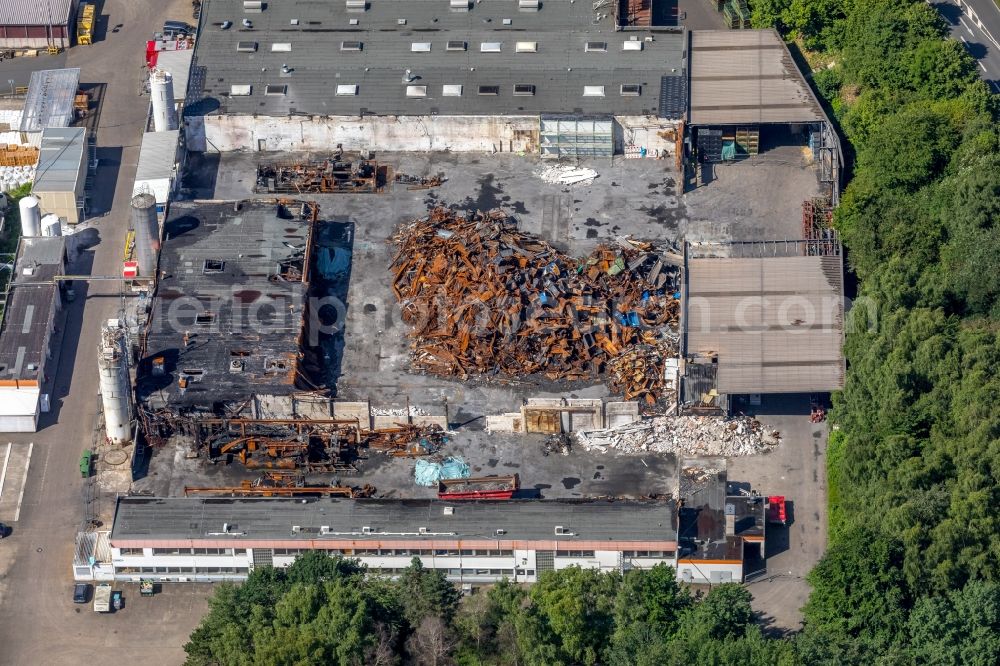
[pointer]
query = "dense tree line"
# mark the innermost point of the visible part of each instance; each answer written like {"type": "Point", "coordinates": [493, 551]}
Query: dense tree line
{"type": "Point", "coordinates": [914, 560]}
{"type": "Point", "coordinates": [327, 610]}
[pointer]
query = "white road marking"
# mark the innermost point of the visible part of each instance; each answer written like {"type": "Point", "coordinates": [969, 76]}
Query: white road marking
{"type": "Point", "coordinates": [962, 37]}
{"type": "Point", "coordinates": [966, 25]}
{"type": "Point", "coordinates": [982, 65]}
{"type": "Point", "coordinates": [3, 475]}
{"type": "Point", "coordinates": [24, 482]}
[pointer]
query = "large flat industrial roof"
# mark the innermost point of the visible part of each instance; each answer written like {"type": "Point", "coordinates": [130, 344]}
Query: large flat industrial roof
{"type": "Point", "coordinates": [30, 300]}
{"type": "Point", "coordinates": [776, 324]}
{"type": "Point", "coordinates": [139, 519]}
{"type": "Point", "coordinates": [228, 312]}
{"type": "Point", "coordinates": [747, 77]}
{"type": "Point", "coordinates": [561, 50]}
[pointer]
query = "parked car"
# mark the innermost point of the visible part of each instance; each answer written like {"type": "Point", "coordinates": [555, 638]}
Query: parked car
{"type": "Point", "coordinates": [81, 592]}
{"type": "Point", "coordinates": [4, 530]}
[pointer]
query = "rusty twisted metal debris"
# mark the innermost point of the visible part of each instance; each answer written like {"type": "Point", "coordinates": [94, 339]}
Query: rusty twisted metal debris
{"type": "Point", "coordinates": [485, 299]}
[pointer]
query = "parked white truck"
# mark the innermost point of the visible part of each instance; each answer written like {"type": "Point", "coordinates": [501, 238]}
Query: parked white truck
{"type": "Point", "coordinates": [102, 598]}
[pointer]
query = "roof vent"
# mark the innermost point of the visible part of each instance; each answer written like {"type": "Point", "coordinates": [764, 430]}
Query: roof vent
{"type": "Point", "coordinates": [324, 529]}
{"type": "Point", "coordinates": [296, 529]}
{"type": "Point", "coordinates": [449, 511]}
{"type": "Point", "coordinates": [631, 90]}
{"type": "Point", "coordinates": [529, 5]}
{"type": "Point", "coordinates": [500, 532]}
{"type": "Point", "coordinates": [357, 5]}
{"type": "Point", "coordinates": [366, 530]}
{"type": "Point", "coordinates": [422, 530]}
{"type": "Point", "coordinates": [524, 89]}
{"type": "Point", "coordinates": [562, 531]}
{"type": "Point", "coordinates": [458, 5]}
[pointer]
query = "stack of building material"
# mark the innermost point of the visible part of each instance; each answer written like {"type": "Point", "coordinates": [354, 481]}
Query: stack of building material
{"type": "Point", "coordinates": [686, 435]}
{"type": "Point", "coordinates": [485, 299]}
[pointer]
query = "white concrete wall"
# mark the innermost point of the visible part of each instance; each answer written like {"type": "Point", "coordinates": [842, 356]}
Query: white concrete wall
{"type": "Point", "coordinates": [702, 571]}
{"type": "Point", "coordinates": [225, 133]}
{"type": "Point", "coordinates": [656, 135]}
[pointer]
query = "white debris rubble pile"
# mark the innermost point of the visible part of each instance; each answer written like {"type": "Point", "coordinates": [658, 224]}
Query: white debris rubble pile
{"type": "Point", "coordinates": [686, 435]}
{"type": "Point", "coordinates": [567, 175]}
{"type": "Point", "coordinates": [397, 411]}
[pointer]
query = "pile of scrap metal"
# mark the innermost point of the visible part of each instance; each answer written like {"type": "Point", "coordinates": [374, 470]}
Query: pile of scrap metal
{"type": "Point", "coordinates": [485, 299]}
{"type": "Point", "coordinates": [418, 182]}
{"type": "Point", "coordinates": [283, 484]}
{"type": "Point", "coordinates": [329, 176]}
{"type": "Point", "coordinates": [405, 440]}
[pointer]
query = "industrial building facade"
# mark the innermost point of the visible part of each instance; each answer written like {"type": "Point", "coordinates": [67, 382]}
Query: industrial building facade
{"type": "Point", "coordinates": [188, 539]}
{"type": "Point", "coordinates": [37, 24]}
{"type": "Point", "coordinates": [560, 78]}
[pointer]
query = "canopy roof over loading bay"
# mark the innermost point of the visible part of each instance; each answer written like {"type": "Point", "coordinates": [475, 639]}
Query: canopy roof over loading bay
{"type": "Point", "coordinates": [747, 77]}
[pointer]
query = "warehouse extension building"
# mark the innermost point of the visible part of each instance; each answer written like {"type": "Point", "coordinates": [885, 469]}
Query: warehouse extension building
{"type": "Point", "coordinates": [36, 24]}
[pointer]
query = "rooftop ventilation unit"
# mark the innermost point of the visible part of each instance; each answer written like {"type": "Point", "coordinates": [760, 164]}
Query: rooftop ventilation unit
{"type": "Point", "coordinates": [529, 5]}
{"type": "Point", "coordinates": [240, 91]}
{"type": "Point", "coordinates": [422, 530]}
{"type": "Point", "coordinates": [500, 532]}
{"type": "Point", "coordinates": [593, 91]}
{"type": "Point", "coordinates": [452, 90]}
{"type": "Point", "coordinates": [357, 5]}
{"type": "Point", "coordinates": [296, 529]}
{"type": "Point", "coordinates": [524, 89]}
{"type": "Point", "coordinates": [351, 46]}
{"type": "Point", "coordinates": [631, 90]}
{"type": "Point", "coordinates": [347, 90]}
{"type": "Point", "coordinates": [456, 46]}
{"type": "Point", "coordinates": [632, 45]}
{"type": "Point", "coordinates": [596, 47]}
{"type": "Point", "coordinates": [324, 529]}
{"type": "Point", "coordinates": [416, 91]}
{"type": "Point", "coordinates": [366, 530]}
{"type": "Point", "coordinates": [490, 47]}
{"type": "Point", "coordinates": [561, 531]}
{"type": "Point", "coordinates": [526, 47]}
{"type": "Point", "coordinates": [420, 47]}
{"type": "Point", "coordinates": [275, 90]}
{"type": "Point", "coordinates": [458, 5]}
{"type": "Point", "coordinates": [253, 6]}
{"type": "Point", "coordinates": [246, 47]}
{"type": "Point", "coordinates": [449, 511]}
{"type": "Point", "coordinates": [489, 90]}
{"type": "Point", "coordinates": [281, 47]}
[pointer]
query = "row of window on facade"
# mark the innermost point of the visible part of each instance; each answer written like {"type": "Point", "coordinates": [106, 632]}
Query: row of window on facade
{"type": "Point", "coordinates": [454, 573]}
{"type": "Point", "coordinates": [243, 571]}
{"type": "Point", "coordinates": [385, 552]}
{"type": "Point", "coordinates": [138, 552]}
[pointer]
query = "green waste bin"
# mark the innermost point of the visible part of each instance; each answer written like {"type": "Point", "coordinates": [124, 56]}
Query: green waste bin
{"type": "Point", "coordinates": [85, 464]}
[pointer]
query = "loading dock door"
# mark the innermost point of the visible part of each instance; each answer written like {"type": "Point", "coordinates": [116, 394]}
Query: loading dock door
{"type": "Point", "coordinates": [576, 136]}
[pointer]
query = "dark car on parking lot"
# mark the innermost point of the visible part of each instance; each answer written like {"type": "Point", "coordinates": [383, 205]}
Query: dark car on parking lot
{"type": "Point", "coordinates": [81, 592]}
{"type": "Point", "coordinates": [4, 530]}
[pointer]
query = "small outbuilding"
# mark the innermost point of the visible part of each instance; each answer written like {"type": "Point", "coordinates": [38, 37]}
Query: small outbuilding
{"type": "Point", "coordinates": [61, 176]}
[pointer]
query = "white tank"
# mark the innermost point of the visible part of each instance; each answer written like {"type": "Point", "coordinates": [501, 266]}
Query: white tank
{"type": "Point", "coordinates": [31, 217]}
{"type": "Point", "coordinates": [161, 89]}
{"type": "Point", "coordinates": [51, 226]}
{"type": "Point", "coordinates": [112, 364]}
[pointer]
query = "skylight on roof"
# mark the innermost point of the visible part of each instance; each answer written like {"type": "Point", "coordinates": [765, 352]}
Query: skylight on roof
{"type": "Point", "coordinates": [420, 47]}
{"type": "Point", "coordinates": [524, 89]}
{"type": "Point", "coordinates": [351, 46]}
{"type": "Point", "coordinates": [275, 89]}
{"type": "Point", "coordinates": [632, 45]}
{"type": "Point", "coordinates": [451, 90]}
{"type": "Point", "coordinates": [596, 47]}
{"type": "Point", "coordinates": [346, 90]}
{"type": "Point", "coordinates": [631, 90]}
{"type": "Point", "coordinates": [526, 47]}
{"type": "Point", "coordinates": [489, 90]}
{"type": "Point", "coordinates": [240, 91]}
{"type": "Point", "coordinates": [281, 47]}
{"type": "Point", "coordinates": [416, 91]}
{"type": "Point", "coordinates": [490, 47]}
{"type": "Point", "coordinates": [593, 91]}
{"type": "Point", "coordinates": [456, 45]}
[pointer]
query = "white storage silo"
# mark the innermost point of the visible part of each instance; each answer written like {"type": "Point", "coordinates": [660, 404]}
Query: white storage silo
{"type": "Point", "coordinates": [31, 217]}
{"type": "Point", "coordinates": [51, 226]}
{"type": "Point", "coordinates": [161, 89]}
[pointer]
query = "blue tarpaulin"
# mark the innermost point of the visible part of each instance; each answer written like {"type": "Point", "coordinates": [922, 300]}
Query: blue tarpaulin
{"type": "Point", "coordinates": [428, 473]}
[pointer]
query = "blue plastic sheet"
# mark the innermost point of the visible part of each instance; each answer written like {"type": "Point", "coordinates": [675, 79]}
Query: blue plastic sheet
{"type": "Point", "coordinates": [428, 473]}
